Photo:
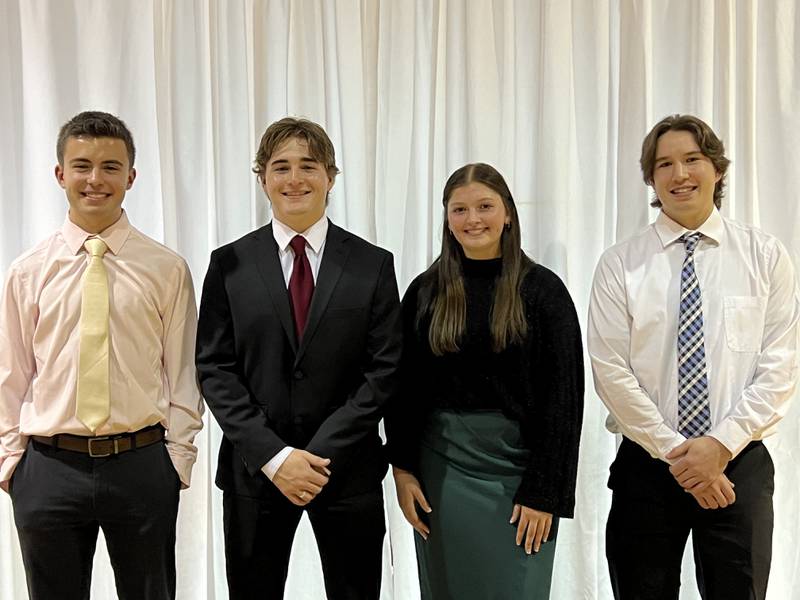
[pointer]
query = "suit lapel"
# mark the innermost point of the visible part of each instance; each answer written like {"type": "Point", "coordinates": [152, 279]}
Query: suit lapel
{"type": "Point", "coordinates": [269, 266]}
{"type": "Point", "coordinates": [333, 260]}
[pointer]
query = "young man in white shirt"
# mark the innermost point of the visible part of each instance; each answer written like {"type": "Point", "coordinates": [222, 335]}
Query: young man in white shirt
{"type": "Point", "coordinates": [693, 338]}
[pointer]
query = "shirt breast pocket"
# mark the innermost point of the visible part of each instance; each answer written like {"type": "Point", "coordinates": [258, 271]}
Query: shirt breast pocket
{"type": "Point", "coordinates": [744, 322]}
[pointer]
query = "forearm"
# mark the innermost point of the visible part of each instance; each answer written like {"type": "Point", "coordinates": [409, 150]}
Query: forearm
{"type": "Point", "coordinates": [765, 400]}
{"type": "Point", "coordinates": [632, 411]}
{"type": "Point", "coordinates": [17, 369]}
{"type": "Point", "coordinates": [341, 433]}
{"type": "Point", "coordinates": [183, 427]}
{"type": "Point", "coordinates": [226, 392]}
{"type": "Point", "coordinates": [243, 423]}
{"type": "Point", "coordinates": [183, 393]}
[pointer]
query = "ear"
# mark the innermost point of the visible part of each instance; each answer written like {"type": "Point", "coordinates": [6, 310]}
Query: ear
{"type": "Point", "coordinates": [718, 177]}
{"type": "Point", "coordinates": [262, 182]}
{"type": "Point", "coordinates": [59, 173]}
{"type": "Point", "coordinates": [331, 181]}
{"type": "Point", "coordinates": [131, 177]}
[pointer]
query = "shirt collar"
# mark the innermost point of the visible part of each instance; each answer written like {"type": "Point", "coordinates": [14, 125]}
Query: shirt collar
{"type": "Point", "coordinates": [669, 231]}
{"type": "Point", "coordinates": [114, 235]}
{"type": "Point", "coordinates": [315, 235]}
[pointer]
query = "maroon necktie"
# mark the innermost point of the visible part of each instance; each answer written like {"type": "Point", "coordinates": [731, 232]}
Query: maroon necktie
{"type": "Point", "coordinates": [301, 284]}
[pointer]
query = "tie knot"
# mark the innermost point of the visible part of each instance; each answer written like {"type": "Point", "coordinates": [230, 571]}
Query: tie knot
{"type": "Point", "coordinates": [298, 244]}
{"type": "Point", "coordinates": [95, 247]}
{"type": "Point", "coordinates": [690, 241]}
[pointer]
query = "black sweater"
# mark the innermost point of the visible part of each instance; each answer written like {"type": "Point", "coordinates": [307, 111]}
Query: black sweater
{"type": "Point", "coordinates": [538, 382]}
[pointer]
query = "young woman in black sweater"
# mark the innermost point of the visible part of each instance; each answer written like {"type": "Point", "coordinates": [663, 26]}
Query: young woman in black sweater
{"type": "Point", "coordinates": [486, 428]}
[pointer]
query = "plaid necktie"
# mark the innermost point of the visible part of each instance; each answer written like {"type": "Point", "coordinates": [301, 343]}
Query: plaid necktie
{"type": "Point", "coordinates": [92, 393]}
{"type": "Point", "coordinates": [694, 415]}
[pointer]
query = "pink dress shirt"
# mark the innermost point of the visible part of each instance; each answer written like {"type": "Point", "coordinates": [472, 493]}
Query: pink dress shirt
{"type": "Point", "coordinates": [152, 325]}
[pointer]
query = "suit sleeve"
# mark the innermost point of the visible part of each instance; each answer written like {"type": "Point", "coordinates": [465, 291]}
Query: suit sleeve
{"type": "Point", "coordinates": [220, 373]}
{"type": "Point", "coordinates": [342, 430]}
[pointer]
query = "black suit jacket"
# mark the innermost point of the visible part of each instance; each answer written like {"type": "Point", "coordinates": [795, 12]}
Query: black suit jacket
{"type": "Point", "coordinates": [325, 394]}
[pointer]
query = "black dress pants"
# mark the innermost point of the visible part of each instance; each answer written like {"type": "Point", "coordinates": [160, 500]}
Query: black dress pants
{"type": "Point", "coordinates": [651, 517]}
{"type": "Point", "coordinates": [258, 541]}
{"type": "Point", "coordinates": [61, 498]}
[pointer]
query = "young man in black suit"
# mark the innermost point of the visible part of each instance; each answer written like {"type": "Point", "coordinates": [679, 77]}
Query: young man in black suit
{"type": "Point", "coordinates": [297, 348]}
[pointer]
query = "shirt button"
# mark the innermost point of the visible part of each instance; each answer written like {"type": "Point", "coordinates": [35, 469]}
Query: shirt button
{"type": "Point", "coordinates": [299, 374]}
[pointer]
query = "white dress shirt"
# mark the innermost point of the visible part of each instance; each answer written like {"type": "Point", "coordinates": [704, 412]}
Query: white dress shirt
{"type": "Point", "coordinates": [751, 308]}
{"type": "Point", "coordinates": [315, 246]}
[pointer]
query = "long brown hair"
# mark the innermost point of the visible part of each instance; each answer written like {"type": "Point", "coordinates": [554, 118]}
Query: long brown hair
{"type": "Point", "coordinates": [448, 306]}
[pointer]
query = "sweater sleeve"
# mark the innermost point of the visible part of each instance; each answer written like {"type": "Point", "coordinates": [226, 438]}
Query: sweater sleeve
{"type": "Point", "coordinates": [405, 414]}
{"type": "Point", "coordinates": [554, 386]}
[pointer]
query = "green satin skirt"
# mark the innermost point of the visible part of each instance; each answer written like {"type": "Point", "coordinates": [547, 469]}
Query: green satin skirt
{"type": "Point", "coordinates": [471, 465]}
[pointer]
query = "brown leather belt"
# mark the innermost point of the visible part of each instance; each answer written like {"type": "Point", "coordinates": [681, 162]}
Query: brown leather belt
{"type": "Point", "coordinates": [104, 445]}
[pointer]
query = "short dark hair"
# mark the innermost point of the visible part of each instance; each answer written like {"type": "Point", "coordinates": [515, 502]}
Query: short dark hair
{"type": "Point", "coordinates": [93, 123]}
{"type": "Point", "coordinates": [710, 145]}
{"type": "Point", "coordinates": [319, 144]}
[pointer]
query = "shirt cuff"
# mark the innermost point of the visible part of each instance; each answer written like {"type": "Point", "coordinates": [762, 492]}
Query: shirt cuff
{"type": "Point", "coordinates": [731, 435]}
{"type": "Point", "coordinates": [275, 462]}
{"type": "Point", "coordinates": [8, 464]}
{"type": "Point", "coordinates": [183, 464]}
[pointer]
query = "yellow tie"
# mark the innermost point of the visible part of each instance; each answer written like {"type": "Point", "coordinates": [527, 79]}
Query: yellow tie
{"type": "Point", "coordinates": [91, 398]}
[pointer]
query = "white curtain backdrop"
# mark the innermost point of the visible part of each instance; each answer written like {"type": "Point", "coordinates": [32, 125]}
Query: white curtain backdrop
{"type": "Point", "coordinates": [557, 94]}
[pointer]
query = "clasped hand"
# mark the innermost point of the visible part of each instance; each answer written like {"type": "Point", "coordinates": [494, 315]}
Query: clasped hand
{"type": "Point", "coordinates": [302, 476]}
{"type": "Point", "coordinates": [699, 469]}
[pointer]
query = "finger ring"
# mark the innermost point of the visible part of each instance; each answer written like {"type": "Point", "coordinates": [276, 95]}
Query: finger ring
{"type": "Point", "coordinates": [302, 495]}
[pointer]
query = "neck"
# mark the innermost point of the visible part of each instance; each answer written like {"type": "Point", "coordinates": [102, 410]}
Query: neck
{"type": "Point", "coordinates": [690, 221]}
{"type": "Point", "coordinates": [299, 225]}
{"type": "Point", "coordinates": [94, 225]}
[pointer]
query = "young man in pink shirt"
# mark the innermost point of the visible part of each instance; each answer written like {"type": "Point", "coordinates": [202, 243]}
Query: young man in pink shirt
{"type": "Point", "coordinates": [99, 405]}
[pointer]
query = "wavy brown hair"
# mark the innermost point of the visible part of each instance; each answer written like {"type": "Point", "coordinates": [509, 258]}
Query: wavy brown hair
{"type": "Point", "coordinates": [448, 305]}
{"type": "Point", "coordinates": [319, 144]}
{"type": "Point", "coordinates": [708, 142]}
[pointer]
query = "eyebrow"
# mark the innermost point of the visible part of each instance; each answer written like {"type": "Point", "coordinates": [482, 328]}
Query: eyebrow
{"type": "Point", "coordinates": [700, 152]}
{"type": "Point", "coordinates": [86, 160]}
{"type": "Point", "coordinates": [305, 159]}
{"type": "Point", "coordinates": [464, 202]}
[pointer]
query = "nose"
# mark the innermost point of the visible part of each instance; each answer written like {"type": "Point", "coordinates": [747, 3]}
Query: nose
{"type": "Point", "coordinates": [94, 176]}
{"type": "Point", "coordinates": [295, 174]}
{"type": "Point", "coordinates": [679, 171]}
{"type": "Point", "coordinates": [472, 215]}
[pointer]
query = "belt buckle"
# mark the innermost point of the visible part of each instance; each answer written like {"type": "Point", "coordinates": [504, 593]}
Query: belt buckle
{"type": "Point", "coordinates": [102, 439]}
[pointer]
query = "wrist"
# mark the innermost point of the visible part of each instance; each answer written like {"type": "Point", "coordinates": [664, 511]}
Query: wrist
{"type": "Point", "coordinates": [725, 455]}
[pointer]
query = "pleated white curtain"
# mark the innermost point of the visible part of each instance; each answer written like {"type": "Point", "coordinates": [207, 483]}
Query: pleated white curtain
{"type": "Point", "coordinates": [557, 94]}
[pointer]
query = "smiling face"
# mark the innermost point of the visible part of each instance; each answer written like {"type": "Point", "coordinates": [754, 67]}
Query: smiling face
{"type": "Point", "coordinates": [95, 174]}
{"type": "Point", "coordinates": [476, 216]}
{"type": "Point", "coordinates": [296, 184]}
{"type": "Point", "coordinates": [684, 179]}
